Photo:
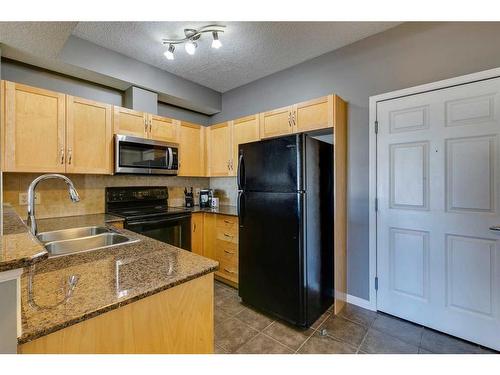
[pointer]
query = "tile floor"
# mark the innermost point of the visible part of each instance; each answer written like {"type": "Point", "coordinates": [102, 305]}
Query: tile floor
{"type": "Point", "coordinates": [240, 329]}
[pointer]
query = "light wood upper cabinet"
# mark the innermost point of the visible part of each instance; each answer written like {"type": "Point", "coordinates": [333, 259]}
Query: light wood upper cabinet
{"type": "Point", "coordinates": [313, 114]}
{"type": "Point", "coordinates": [244, 130]}
{"type": "Point", "coordinates": [88, 136]}
{"type": "Point", "coordinates": [163, 128]}
{"type": "Point", "coordinates": [191, 149]}
{"type": "Point", "coordinates": [276, 122]}
{"type": "Point", "coordinates": [129, 122]}
{"type": "Point", "coordinates": [34, 133]}
{"type": "Point", "coordinates": [219, 149]}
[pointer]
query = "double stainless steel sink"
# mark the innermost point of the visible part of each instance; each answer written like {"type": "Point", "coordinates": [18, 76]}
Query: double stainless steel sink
{"type": "Point", "coordinates": [77, 240]}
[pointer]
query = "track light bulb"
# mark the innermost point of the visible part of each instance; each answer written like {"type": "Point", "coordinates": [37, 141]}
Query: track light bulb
{"type": "Point", "coordinates": [216, 42]}
{"type": "Point", "coordinates": [169, 54]}
{"type": "Point", "coordinates": [190, 47]}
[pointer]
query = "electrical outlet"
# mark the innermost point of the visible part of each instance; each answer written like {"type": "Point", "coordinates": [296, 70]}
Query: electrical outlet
{"type": "Point", "coordinates": [23, 199]}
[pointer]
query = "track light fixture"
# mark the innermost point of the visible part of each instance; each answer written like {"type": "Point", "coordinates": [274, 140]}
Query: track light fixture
{"type": "Point", "coordinates": [190, 41]}
{"type": "Point", "coordinates": [169, 54]}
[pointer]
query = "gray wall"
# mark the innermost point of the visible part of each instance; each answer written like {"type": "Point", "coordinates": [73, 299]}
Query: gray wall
{"type": "Point", "coordinates": [33, 76]}
{"type": "Point", "coordinates": [30, 75]}
{"type": "Point", "coordinates": [8, 317]}
{"type": "Point", "coordinates": [408, 55]}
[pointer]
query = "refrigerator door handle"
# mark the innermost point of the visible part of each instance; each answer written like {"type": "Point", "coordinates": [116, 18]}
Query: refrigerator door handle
{"type": "Point", "coordinates": [241, 172]}
{"type": "Point", "coordinates": [241, 210]}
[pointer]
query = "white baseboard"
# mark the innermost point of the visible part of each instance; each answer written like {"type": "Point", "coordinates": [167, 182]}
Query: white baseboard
{"type": "Point", "coordinates": [361, 302]}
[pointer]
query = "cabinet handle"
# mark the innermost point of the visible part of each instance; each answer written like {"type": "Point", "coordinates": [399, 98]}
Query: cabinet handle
{"type": "Point", "coordinates": [228, 252]}
{"type": "Point", "coordinates": [70, 155]}
{"type": "Point", "coordinates": [289, 119]}
{"type": "Point", "coordinates": [194, 227]}
{"type": "Point", "coordinates": [62, 155]}
{"type": "Point", "coordinates": [228, 167]}
{"type": "Point", "coordinates": [150, 125]}
{"type": "Point", "coordinates": [293, 119]}
{"type": "Point", "coordinates": [228, 221]}
{"type": "Point", "coordinates": [145, 125]}
{"type": "Point", "coordinates": [228, 271]}
{"type": "Point", "coordinates": [232, 165]}
{"type": "Point", "coordinates": [228, 235]}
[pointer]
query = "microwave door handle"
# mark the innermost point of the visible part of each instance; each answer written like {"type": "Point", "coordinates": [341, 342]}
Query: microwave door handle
{"type": "Point", "coordinates": [170, 158]}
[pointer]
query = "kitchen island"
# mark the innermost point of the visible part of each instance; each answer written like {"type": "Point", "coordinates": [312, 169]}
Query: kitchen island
{"type": "Point", "coordinates": [142, 297]}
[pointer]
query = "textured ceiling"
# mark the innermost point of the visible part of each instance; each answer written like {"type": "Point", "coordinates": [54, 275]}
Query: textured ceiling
{"type": "Point", "coordinates": [251, 50]}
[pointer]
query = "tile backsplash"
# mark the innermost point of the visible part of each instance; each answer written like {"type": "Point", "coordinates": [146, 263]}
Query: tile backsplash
{"type": "Point", "coordinates": [56, 203]}
{"type": "Point", "coordinates": [226, 189]}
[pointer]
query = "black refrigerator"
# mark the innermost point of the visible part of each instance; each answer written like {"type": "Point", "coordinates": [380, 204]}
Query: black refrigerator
{"type": "Point", "coordinates": [285, 209]}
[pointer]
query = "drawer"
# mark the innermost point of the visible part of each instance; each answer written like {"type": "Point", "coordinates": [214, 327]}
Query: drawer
{"type": "Point", "coordinates": [228, 223]}
{"type": "Point", "coordinates": [226, 235]}
{"type": "Point", "coordinates": [228, 271]}
{"type": "Point", "coordinates": [227, 252]}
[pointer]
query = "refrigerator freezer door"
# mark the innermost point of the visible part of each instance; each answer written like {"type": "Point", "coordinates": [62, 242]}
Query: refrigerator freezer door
{"type": "Point", "coordinates": [271, 165]}
{"type": "Point", "coordinates": [271, 254]}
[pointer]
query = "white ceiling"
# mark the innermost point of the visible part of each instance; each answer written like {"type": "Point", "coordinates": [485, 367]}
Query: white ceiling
{"type": "Point", "coordinates": [251, 50]}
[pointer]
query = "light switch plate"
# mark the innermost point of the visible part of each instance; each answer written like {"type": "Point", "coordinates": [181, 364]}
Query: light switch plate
{"type": "Point", "coordinates": [23, 199]}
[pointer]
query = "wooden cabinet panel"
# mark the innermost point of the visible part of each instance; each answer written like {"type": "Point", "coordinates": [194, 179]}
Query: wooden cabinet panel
{"type": "Point", "coordinates": [228, 271]}
{"type": "Point", "coordinates": [209, 240]}
{"type": "Point", "coordinates": [88, 136]}
{"type": "Point", "coordinates": [191, 149]}
{"type": "Point", "coordinates": [129, 122]}
{"type": "Point", "coordinates": [244, 130]}
{"type": "Point", "coordinates": [227, 252]}
{"type": "Point", "coordinates": [179, 320]}
{"type": "Point", "coordinates": [276, 122]}
{"type": "Point", "coordinates": [219, 149]}
{"type": "Point", "coordinates": [34, 129]}
{"type": "Point", "coordinates": [163, 128]}
{"type": "Point", "coordinates": [197, 233]}
{"type": "Point", "coordinates": [313, 114]}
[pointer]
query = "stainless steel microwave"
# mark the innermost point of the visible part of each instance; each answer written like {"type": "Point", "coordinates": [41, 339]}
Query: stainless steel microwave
{"type": "Point", "coordinates": [145, 156]}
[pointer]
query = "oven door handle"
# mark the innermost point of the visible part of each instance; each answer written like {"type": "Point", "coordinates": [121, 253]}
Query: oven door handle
{"type": "Point", "coordinates": [158, 221]}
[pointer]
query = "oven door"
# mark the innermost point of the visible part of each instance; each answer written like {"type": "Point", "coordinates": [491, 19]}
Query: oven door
{"type": "Point", "coordinates": [173, 229]}
{"type": "Point", "coordinates": [145, 156]}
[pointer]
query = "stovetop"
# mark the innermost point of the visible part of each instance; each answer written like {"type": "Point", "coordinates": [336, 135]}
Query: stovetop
{"type": "Point", "coordinates": [145, 211]}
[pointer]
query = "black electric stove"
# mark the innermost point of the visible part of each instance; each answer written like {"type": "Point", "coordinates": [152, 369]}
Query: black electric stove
{"type": "Point", "coordinates": [146, 212]}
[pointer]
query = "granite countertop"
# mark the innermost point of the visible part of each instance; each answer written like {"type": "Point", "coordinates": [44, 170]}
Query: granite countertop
{"type": "Point", "coordinates": [222, 210]}
{"type": "Point", "coordinates": [106, 279]}
{"type": "Point", "coordinates": [18, 248]}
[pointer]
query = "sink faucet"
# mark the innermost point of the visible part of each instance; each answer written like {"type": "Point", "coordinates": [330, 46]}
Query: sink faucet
{"type": "Point", "coordinates": [73, 195]}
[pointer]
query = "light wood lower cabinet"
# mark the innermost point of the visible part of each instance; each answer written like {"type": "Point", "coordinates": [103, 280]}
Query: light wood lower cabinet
{"type": "Point", "coordinates": [89, 133]}
{"type": "Point", "coordinates": [34, 129]}
{"type": "Point", "coordinates": [220, 242]}
{"type": "Point", "coordinates": [179, 320]}
{"type": "Point", "coordinates": [191, 150]}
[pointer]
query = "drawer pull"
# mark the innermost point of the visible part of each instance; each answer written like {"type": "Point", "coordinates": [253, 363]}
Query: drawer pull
{"type": "Point", "coordinates": [229, 252]}
{"type": "Point", "coordinates": [228, 271]}
{"type": "Point", "coordinates": [228, 235]}
{"type": "Point", "coordinates": [228, 222]}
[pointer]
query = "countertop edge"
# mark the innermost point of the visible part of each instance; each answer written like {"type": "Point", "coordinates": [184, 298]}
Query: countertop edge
{"type": "Point", "coordinates": [24, 262]}
{"type": "Point", "coordinates": [23, 339]}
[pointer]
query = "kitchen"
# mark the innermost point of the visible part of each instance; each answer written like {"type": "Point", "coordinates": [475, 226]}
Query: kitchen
{"type": "Point", "coordinates": [212, 214]}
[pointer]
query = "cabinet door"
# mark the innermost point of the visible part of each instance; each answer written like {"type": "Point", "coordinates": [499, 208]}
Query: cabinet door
{"type": "Point", "coordinates": [163, 128]}
{"type": "Point", "coordinates": [129, 122]}
{"type": "Point", "coordinates": [88, 136]}
{"type": "Point", "coordinates": [313, 114]}
{"type": "Point", "coordinates": [244, 130]}
{"type": "Point", "coordinates": [209, 236]}
{"type": "Point", "coordinates": [197, 233]}
{"type": "Point", "coordinates": [34, 129]}
{"type": "Point", "coordinates": [276, 122]}
{"type": "Point", "coordinates": [219, 149]}
{"type": "Point", "coordinates": [191, 149]}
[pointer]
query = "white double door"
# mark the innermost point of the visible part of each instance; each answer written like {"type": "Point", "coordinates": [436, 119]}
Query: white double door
{"type": "Point", "coordinates": [438, 189]}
